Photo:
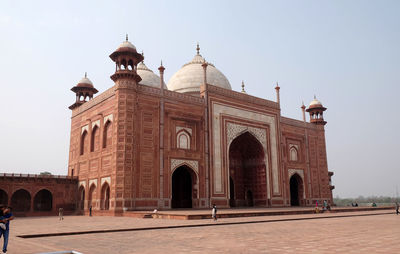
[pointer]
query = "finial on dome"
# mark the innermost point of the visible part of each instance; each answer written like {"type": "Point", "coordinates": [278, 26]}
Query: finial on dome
{"type": "Point", "coordinates": [315, 97]}
{"type": "Point", "coordinates": [143, 56]}
{"type": "Point", "coordinates": [85, 74]}
{"type": "Point", "coordinates": [126, 37]}
{"type": "Point", "coordinates": [243, 91]}
{"type": "Point", "coordinates": [198, 48]}
{"type": "Point", "coordinates": [161, 63]}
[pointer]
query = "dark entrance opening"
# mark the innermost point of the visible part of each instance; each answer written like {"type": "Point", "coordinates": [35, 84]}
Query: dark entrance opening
{"type": "Point", "coordinates": [248, 183]}
{"type": "Point", "coordinates": [43, 201]}
{"type": "Point", "coordinates": [182, 188]}
{"type": "Point", "coordinates": [296, 190]}
{"type": "Point", "coordinates": [231, 192]}
{"type": "Point", "coordinates": [81, 198]}
{"type": "Point", "coordinates": [249, 197]}
{"type": "Point", "coordinates": [21, 201]}
{"type": "Point", "coordinates": [3, 197]}
{"type": "Point", "coordinates": [105, 197]}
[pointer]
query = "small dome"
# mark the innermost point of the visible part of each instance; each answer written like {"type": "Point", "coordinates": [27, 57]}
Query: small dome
{"type": "Point", "coordinates": [149, 78]}
{"type": "Point", "coordinates": [315, 103]}
{"type": "Point", "coordinates": [126, 44]}
{"type": "Point", "coordinates": [190, 77]}
{"type": "Point", "coordinates": [85, 82]}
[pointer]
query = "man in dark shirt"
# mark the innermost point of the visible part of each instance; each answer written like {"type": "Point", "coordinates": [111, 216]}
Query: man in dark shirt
{"type": "Point", "coordinates": [5, 218]}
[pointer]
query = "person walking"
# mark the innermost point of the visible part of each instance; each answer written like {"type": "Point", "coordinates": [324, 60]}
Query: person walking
{"type": "Point", "coordinates": [214, 212]}
{"type": "Point", "coordinates": [90, 211]}
{"type": "Point", "coordinates": [397, 208]}
{"type": "Point", "coordinates": [61, 213]}
{"type": "Point", "coordinates": [5, 218]}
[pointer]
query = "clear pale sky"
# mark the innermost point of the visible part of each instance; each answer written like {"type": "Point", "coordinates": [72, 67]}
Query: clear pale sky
{"type": "Point", "coordinates": [345, 52]}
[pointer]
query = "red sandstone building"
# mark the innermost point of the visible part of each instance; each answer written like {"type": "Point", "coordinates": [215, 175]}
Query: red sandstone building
{"type": "Point", "coordinates": [195, 142]}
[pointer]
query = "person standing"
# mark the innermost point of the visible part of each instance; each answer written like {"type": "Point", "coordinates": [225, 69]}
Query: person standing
{"type": "Point", "coordinates": [214, 212]}
{"type": "Point", "coordinates": [7, 216]}
{"type": "Point", "coordinates": [397, 208]}
{"type": "Point", "coordinates": [61, 213]}
{"type": "Point", "coordinates": [90, 211]}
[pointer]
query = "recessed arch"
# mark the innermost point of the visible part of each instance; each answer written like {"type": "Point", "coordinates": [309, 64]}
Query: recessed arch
{"type": "Point", "coordinates": [183, 139]}
{"type": "Point", "coordinates": [21, 201]}
{"type": "Point", "coordinates": [248, 171]}
{"type": "Point", "coordinates": [296, 190]}
{"type": "Point", "coordinates": [92, 194]}
{"type": "Point", "coordinates": [43, 200]}
{"type": "Point", "coordinates": [107, 134]}
{"type": "Point", "coordinates": [81, 191]}
{"type": "Point", "coordinates": [293, 154]}
{"type": "Point", "coordinates": [3, 197]}
{"type": "Point", "coordinates": [84, 142]}
{"type": "Point", "coordinates": [105, 197]}
{"type": "Point", "coordinates": [95, 139]}
{"type": "Point", "coordinates": [184, 184]}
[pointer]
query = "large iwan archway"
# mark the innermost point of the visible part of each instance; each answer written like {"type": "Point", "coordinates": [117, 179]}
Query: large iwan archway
{"type": "Point", "coordinates": [248, 180]}
{"type": "Point", "coordinates": [296, 190]}
{"type": "Point", "coordinates": [183, 180]}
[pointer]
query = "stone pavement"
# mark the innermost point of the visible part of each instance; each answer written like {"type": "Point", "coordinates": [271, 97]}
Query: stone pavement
{"type": "Point", "coordinates": [274, 234]}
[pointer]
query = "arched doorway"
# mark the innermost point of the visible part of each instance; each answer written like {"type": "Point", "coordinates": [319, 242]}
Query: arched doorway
{"type": "Point", "coordinates": [183, 180]}
{"type": "Point", "coordinates": [81, 204]}
{"type": "Point", "coordinates": [105, 197]}
{"type": "Point", "coordinates": [92, 192]}
{"type": "Point", "coordinates": [21, 201]}
{"type": "Point", "coordinates": [247, 171]}
{"type": "Point", "coordinates": [296, 190]}
{"type": "Point", "coordinates": [43, 201]}
{"type": "Point", "coordinates": [3, 197]}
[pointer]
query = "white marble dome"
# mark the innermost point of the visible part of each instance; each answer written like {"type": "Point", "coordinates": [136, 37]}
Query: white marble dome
{"type": "Point", "coordinates": [315, 103]}
{"type": "Point", "coordinates": [126, 44]}
{"type": "Point", "coordinates": [149, 78]}
{"type": "Point", "coordinates": [85, 82]}
{"type": "Point", "coordinates": [190, 77]}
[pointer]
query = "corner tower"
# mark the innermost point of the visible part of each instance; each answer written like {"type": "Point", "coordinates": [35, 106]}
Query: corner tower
{"type": "Point", "coordinates": [316, 111]}
{"type": "Point", "coordinates": [125, 148]}
{"type": "Point", "coordinates": [126, 59]}
{"type": "Point", "coordinates": [84, 91]}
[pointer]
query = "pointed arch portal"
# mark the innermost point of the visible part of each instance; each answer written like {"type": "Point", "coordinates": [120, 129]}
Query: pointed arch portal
{"type": "Point", "coordinates": [183, 181]}
{"type": "Point", "coordinates": [248, 184]}
{"type": "Point", "coordinates": [296, 190]}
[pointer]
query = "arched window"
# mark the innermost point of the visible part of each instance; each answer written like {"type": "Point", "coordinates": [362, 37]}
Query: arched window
{"type": "Point", "coordinates": [293, 154]}
{"type": "Point", "coordinates": [84, 141]}
{"type": "Point", "coordinates": [183, 140]}
{"type": "Point", "coordinates": [107, 134]}
{"type": "Point", "coordinates": [94, 146]}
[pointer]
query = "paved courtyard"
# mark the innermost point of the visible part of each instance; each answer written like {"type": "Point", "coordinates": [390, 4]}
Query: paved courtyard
{"type": "Point", "coordinates": [375, 232]}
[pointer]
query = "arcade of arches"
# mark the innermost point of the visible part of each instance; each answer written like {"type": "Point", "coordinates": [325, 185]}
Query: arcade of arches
{"type": "Point", "coordinates": [248, 185]}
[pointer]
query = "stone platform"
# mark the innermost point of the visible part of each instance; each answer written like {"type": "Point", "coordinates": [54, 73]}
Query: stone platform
{"type": "Point", "coordinates": [197, 214]}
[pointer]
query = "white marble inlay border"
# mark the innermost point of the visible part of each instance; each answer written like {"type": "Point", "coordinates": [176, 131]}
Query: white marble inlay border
{"type": "Point", "coordinates": [178, 128]}
{"type": "Point", "coordinates": [109, 117]}
{"type": "Point", "coordinates": [175, 163]}
{"type": "Point", "coordinates": [85, 128]}
{"type": "Point", "coordinates": [106, 180]}
{"type": "Point", "coordinates": [82, 183]}
{"type": "Point", "coordinates": [93, 181]}
{"type": "Point", "coordinates": [96, 123]}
